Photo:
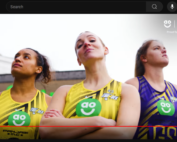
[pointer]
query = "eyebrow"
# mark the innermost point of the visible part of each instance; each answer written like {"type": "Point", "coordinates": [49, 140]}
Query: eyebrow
{"type": "Point", "coordinates": [81, 40]}
{"type": "Point", "coordinates": [158, 46]}
{"type": "Point", "coordinates": [90, 35]}
{"type": "Point", "coordinates": [27, 54]}
{"type": "Point", "coordinates": [24, 54]}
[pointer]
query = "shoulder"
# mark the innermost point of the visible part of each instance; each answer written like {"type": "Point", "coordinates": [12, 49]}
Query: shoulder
{"type": "Point", "coordinates": [175, 86]}
{"type": "Point", "coordinates": [4, 92]}
{"type": "Point", "coordinates": [62, 90]}
{"type": "Point", "coordinates": [133, 81]}
{"type": "Point", "coordinates": [65, 88]}
{"type": "Point", "coordinates": [128, 89]}
{"type": "Point", "coordinates": [58, 99]}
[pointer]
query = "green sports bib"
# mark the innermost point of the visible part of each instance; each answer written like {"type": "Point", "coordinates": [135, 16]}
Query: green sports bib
{"type": "Point", "coordinates": [88, 108]}
{"type": "Point", "coordinates": [19, 118]}
{"type": "Point", "coordinates": [165, 108]}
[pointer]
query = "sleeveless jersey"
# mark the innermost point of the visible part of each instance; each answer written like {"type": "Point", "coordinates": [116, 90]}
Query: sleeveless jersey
{"type": "Point", "coordinates": [82, 102]}
{"type": "Point", "coordinates": [13, 114]}
{"type": "Point", "coordinates": [157, 109]}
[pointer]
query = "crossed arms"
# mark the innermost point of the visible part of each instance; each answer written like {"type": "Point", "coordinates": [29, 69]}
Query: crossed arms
{"type": "Point", "coordinates": [128, 115]}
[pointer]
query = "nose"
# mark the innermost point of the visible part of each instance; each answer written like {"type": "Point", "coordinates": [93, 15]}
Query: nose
{"type": "Point", "coordinates": [18, 59]}
{"type": "Point", "coordinates": [164, 50]}
{"type": "Point", "coordinates": [86, 44]}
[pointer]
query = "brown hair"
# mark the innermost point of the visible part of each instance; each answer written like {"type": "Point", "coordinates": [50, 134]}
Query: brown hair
{"type": "Point", "coordinates": [45, 75]}
{"type": "Point", "coordinates": [97, 36]}
{"type": "Point", "coordinates": [139, 67]}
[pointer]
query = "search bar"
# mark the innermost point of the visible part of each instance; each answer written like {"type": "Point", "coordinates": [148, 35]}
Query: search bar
{"type": "Point", "coordinates": [72, 7]}
{"type": "Point", "coordinates": [154, 6]}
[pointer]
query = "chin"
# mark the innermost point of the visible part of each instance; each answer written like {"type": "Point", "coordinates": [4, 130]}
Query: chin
{"type": "Point", "coordinates": [15, 73]}
{"type": "Point", "coordinates": [165, 64]}
{"type": "Point", "coordinates": [94, 57]}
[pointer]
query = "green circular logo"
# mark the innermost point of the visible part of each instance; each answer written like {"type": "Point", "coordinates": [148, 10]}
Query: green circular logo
{"type": "Point", "coordinates": [88, 107]}
{"type": "Point", "coordinates": [19, 118]}
{"type": "Point", "coordinates": [165, 107]}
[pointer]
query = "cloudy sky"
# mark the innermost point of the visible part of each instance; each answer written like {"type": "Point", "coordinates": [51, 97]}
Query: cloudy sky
{"type": "Point", "coordinates": [54, 36]}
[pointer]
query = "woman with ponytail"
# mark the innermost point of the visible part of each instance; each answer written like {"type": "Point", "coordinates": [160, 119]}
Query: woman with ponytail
{"type": "Point", "coordinates": [158, 96]}
{"type": "Point", "coordinates": [24, 105]}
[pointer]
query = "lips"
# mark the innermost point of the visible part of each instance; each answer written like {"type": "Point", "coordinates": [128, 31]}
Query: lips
{"type": "Point", "coordinates": [87, 50]}
{"type": "Point", "coordinates": [164, 55]}
{"type": "Point", "coordinates": [17, 65]}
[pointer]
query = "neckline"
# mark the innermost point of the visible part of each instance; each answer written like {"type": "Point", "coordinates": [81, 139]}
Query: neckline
{"type": "Point", "coordinates": [155, 89]}
{"type": "Point", "coordinates": [22, 102]}
{"type": "Point", "coordinates": [82, 83]}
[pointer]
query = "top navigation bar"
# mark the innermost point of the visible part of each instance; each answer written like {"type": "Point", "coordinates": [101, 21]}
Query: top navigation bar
{"type": "Point", "coordinates": [87, 7]}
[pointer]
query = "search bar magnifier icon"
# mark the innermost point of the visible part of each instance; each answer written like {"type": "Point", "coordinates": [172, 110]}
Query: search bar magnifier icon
{"type": "Point", "coordinates": [154, 6]}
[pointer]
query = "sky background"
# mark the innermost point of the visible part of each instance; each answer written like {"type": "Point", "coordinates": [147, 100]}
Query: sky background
{"type": "Point", "coordinates": [54, 36]}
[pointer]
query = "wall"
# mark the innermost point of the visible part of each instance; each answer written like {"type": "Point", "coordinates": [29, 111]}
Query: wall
{"type": "Point", "coordinates": [58, 79]}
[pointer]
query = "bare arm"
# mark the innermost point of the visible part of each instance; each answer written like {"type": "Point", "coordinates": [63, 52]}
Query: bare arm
{"type": "Point", "coordinates": [134, 81]}
{"type": "Point", "coordinates": [57, 103]}
{"type": "Point", "coordinates": [128, 115]}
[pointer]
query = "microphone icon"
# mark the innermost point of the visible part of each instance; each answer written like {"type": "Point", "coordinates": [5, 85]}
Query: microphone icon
{"type": "Point", "coordinates": [172, 6]}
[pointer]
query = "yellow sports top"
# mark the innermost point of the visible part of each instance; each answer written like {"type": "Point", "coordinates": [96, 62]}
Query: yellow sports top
{"type": "Point", "coordinates": [82, 102]}
{"type": "Point", "coordinates": [13, 114]}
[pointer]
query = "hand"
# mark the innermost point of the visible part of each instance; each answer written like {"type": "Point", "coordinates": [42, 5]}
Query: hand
{"type": "Point", "coordinates": [53, 113]}
{"type": "Point", "coordinates": [106, 122]}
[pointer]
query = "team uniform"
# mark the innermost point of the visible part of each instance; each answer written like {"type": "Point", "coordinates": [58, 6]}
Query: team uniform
{"type": "Point", "coordinates": [13, 114]}
{"type": "Point", "coordinates": [157, 109]}
{"type": "Point", "coordinates": [82, 102]}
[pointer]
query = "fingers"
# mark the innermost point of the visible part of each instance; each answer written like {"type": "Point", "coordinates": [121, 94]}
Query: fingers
{"type": "Point", "coordinates": [57, 112]}
{"type": "Point", "coordinates": [53, 113]}
{"type": "Point", "coordinates": [113, 123]}
{"type": "Point", "coordinates": [47, 115]}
